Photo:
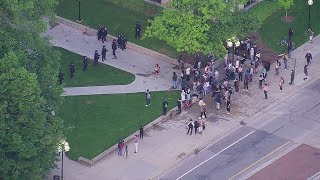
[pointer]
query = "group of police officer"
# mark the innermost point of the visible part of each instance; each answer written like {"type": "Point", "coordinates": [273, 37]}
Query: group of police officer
{"type": "Point", "coordinates": [102, 35]}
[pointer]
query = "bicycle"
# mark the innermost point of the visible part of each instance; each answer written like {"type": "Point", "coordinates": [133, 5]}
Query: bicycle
{"type": "Point", "coordinates": [284, 41]}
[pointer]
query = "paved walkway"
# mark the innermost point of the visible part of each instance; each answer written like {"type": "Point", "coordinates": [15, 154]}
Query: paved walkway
{"type": "Point", "coordinates": [141, 65]}
{"type": "Point", "coordinates": [168, 143]}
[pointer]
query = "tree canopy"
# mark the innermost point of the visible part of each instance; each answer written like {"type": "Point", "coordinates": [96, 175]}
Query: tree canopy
{"type": "Point", "coordinates": [285, 4]}
{"type": "Point", "coordinates": [197, 26]}
{"type": "Point", "coordinates": [29, 91]}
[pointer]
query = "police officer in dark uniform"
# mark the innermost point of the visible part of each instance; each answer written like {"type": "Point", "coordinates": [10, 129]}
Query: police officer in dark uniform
{"type": "Point", "coordinates": [119, 41]}
{"type": "Point", "coordinates": [99, 34]}
{"type": "Point", "coordinates": [72, 70]}
{"type": "Point", "coordinates": [96, 57]}
{"type": "Point", "coordinates": [85, 63]}
{"type": "Point", "coordinates": [114, 48]}
{"type": "Point", "coordinates": [104, 53]}
{"type": "Point", "coordinates": [104, 34]}
{"type": "Point", "coordinates": [61, 77]}
{"type": "Point", "coordinates": [138, 30]}
{"type": "Point", "coordinates": [124, 42]}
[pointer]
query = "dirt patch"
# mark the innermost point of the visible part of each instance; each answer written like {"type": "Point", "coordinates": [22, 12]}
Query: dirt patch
{"type": "Point", "coordinates": [287, 19]}
{"type": "Point", "coordinates": [267, 54]}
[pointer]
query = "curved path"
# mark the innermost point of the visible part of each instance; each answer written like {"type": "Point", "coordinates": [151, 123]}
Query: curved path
{"type": "Point", "coordinates": [141, 65]}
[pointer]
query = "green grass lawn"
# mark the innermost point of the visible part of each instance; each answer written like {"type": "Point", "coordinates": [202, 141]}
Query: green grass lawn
{"type": "Point", "coordinates": [95, 123]}
{"type": "Point", "coordinates": [116, 18]}
{"type": "Point", "coordinates": [273, 29]}
{"type": "Point", "coordinates": [95, 76]}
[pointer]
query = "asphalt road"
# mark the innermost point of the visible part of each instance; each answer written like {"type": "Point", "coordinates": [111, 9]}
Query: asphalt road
{"type": "Point", "coordinates": [290, 121]}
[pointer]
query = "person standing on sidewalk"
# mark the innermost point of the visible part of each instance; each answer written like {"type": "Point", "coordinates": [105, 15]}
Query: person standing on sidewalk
{"type": "Point", "coordinates": [135, 141]}
{"type": "Point", "coordinates": [179, 104]}
{"type": "Point", "coordinates": [240, 72]}
{"type": "Point", "coordinates": [291, 77]}
{"type": "Point", "coordinates": [246, 81]}
{"type": "Point", "coordinates": [174, 80]}
{"type": "Point", "coordinates": [157, 70]}
{"type": "Point", "coordinates": [96, 57]}
{"type": "Point", "coordinates": [148, 98]}
{"type": "Point", "coordinates": [114, 48]}
{"type": "Point", "coordinates": [190, 126]}
{"type": "Point", "coordinates": [126, 150]}
{"type": "Point", "coordinates": [104, 53]}
{"type": "Point", "coordinates": [260, 81]}
{"type": "Point", "coordinates": [236, 85]}
{"type": "Point", "coordinates": [265, 90]}
{"type": "Point", "coordinates": [305, 70]}
{"type": "Point", "coordinates": [141, 132]}
{"type": "Point", "coordinates": [281, 82]}
{"type": "Point", "coordinates": [203, 111]}
{"type": "Point", "coordinates": [308, 57]}
{"type": "Point", "coordinates": [285, 61]}
{"type": "Point", "coordinates": [196, 126]}
{"type": "Point", "coordinates": [277, 67]}
{"type": "Point", "coordinates": [228, 103]}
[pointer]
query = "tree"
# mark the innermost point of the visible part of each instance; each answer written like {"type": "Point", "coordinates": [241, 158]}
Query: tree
{"type": "Point", "coordinates": [27, 139]}
{"type": "Point", "coordinates": [285, 4]}
{"type": "Point", "coordinates": [187, 25]}
{"type": "Point", "coordinates": [33, 66]}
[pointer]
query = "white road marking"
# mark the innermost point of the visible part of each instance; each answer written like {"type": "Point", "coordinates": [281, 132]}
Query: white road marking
{"type": "Point", "coordinates": [215, 155]}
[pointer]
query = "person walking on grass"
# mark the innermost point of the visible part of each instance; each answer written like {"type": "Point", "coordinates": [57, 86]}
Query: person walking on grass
{"type": "Point", "coordinates": [310, 34]}
{"type": "Point", "coordinates": [72, 70]}
{"type": "Point", "coordinates": [265, 91]}
{"type": "Point", "coordinates": [190, 126]}
{"type": "Point", "coordinates": [135, 141]}
{"type": "Point", "coordinates": [148, 98]}
{"type": "Point", "coordinates": [281, 82]}
{"type": "Point", "coordinates": [164, 107]}
{"type": "Point", "coordinates": [141, 132]}
{"type": "Point", "coordinates": [85, 63]}
{"type": "Point", "coordinates": [308, 57]}
{"type": "Point", "coordinates": [305, 70]}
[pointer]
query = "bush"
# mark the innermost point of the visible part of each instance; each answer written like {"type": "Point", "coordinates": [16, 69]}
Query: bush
{"type": "Point", "coordinates": [138, 6]}
{"type": "Point", "coordinates": [264, 9]}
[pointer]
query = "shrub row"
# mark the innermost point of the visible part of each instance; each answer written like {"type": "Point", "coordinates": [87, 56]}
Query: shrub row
{"type": "Point", "coordinates": [138, 5]}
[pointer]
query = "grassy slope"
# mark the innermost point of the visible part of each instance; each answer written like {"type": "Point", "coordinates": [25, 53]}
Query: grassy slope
{"type": "Point", "coordinates": [273, 29]}
{"type": "Point", "coordinates": [97, 122]}
{"type": "Point", "coordinates": [116, 18]}
{"type": "Point", "coordinates": [100, 75]}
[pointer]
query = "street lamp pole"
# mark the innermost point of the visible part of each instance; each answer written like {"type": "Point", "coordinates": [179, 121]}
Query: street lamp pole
{"type": "Point", "coordinates": [310, 2]}
{"type": "Point", "coordinates": [64, 147]}
{"type": "Point", "coordinates": [79, 16]}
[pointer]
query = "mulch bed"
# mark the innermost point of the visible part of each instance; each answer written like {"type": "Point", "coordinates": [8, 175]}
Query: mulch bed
{"type": "Point", "coordinates": [267, 54]}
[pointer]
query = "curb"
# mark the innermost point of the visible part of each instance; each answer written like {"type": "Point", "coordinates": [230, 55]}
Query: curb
{"type": "Point", "coordinates": [169, 115]}
{"type": "Point", "coordinates": [92, 32]}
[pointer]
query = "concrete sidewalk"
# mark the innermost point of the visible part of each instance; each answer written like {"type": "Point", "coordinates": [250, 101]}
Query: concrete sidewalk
{"type": "Point", "coordinates": [141, 65]}
{"type": "Point", "coordinates": [166, 144]}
